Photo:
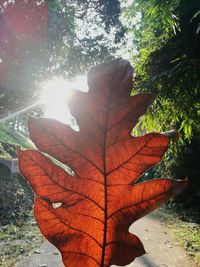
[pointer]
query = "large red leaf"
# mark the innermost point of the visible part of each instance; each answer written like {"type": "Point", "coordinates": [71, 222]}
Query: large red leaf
{"type": "Point", "coordinates": [87, 216]}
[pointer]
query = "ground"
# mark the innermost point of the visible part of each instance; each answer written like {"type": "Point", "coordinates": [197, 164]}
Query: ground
{"type": "Point", "coordinates": [162, 249]}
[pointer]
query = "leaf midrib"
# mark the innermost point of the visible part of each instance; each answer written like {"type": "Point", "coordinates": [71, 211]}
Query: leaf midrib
{"type": "Point", "coordinates": [105, 178]}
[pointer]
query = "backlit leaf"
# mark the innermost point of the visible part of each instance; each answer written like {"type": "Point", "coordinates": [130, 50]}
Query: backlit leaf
{"type": "Point", "coordinates": [87, 216]}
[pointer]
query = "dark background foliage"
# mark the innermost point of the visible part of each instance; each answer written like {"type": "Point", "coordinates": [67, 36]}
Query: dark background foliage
{"type": "Point", "coordinates": [168, 64]}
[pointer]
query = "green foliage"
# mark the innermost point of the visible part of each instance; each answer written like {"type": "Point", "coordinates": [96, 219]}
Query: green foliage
{"type": "Point", "coordinates": [9, 139]}
{"type": "Point", "coordinates": [186, 233]}
{"type": "Point", "coordinates": [17, 241]}
{"type": "Point", "coordinates": [188, 165]}
{"type": "Point", "coordinates": [15, 205]}
{"type": "Point", "coordinates": [167, 63]}
{"type": "Point", "coordinates": [189, 238]}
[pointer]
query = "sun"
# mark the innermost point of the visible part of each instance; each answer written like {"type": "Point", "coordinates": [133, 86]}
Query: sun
{"type": "Point", "coordinates": [55, 94]}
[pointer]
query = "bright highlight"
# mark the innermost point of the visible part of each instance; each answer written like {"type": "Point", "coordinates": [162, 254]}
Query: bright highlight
{"type": "Point", "coordinates": [55, 94]}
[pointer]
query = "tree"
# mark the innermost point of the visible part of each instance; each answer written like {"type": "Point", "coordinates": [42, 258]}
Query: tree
{"type": "Point", "coordinates": [167, 64]}
{"type": "Point", "coordinates": [69, 37]}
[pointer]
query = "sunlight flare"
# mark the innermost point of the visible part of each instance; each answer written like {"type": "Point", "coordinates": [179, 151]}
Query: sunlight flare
{"type": "Point", "coordinates": [55, 94]}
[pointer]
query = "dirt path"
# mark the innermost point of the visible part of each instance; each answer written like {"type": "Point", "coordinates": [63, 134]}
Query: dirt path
{"type": "Point", "coordinates": [162, 250]}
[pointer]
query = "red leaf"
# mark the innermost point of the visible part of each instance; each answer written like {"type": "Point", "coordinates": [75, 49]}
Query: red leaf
{"type": "Point", "coordinates": [96, 206]}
